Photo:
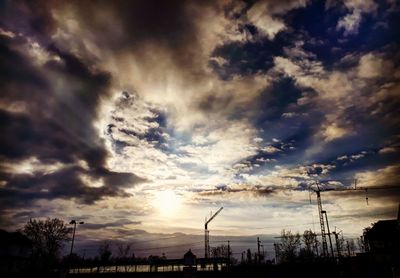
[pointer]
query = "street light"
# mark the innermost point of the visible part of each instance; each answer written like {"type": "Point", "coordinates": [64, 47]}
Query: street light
{"type": "Point", "coordinates": [73, 222]}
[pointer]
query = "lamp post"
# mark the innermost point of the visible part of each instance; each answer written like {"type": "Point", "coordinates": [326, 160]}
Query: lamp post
{"type": "Point", "coordinates": [73, 222]}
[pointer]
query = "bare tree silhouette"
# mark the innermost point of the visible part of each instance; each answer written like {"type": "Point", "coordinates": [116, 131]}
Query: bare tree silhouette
{"type": "Point", "coordinates": [289, 245]}
{"type": "Point", "coordinates": [48, 237]}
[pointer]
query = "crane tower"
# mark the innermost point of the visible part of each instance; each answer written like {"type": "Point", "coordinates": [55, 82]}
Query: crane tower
{"type": "Point", "coordinates": [207, 234]}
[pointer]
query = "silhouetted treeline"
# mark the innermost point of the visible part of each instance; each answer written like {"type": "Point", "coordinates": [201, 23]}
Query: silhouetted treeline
{"type": "Point", "coordinates": [36, 249]}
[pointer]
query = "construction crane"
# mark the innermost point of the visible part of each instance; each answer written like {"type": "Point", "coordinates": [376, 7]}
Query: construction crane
{"type": "Point", "coordinates": [207, 234]}
{"type": "Point", "coordinates": [321, 221]}
{"type": "Point", "coordinates": [321, 212]}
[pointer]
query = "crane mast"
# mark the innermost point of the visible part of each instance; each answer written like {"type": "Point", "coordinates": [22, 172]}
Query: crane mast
{"type": "Point", "coordinates": [321, 222]}
{"type": "Point", "coordinates": [207, 234]}
{"type": "Point", "coordinates": [329, 233]}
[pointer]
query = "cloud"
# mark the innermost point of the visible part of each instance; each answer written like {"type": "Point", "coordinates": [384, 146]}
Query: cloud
{"type": "Point", "coordinates": [173, 73]}
{"type": "Point", "coordinates": [372, 65]}
{"type": "Point", "coordinates": [65, 183]}
{"type": "Point", "coordinates": [332, 132]}
{"type": "Point", "coordinates": [387, 150]}
{"type": "Point", "coordinates": [222, 102]}
{"type": "Point", "coordinates": [356, 89]}
{"type": "Point", "coordinates": [5, 33]}
{"type": "Point", "coordinates": [49, 132]}
{"type": "Point", "coordinates": [30, 166]}
{"type": "Point", "coordinates": [350, 23]}
{"type": "Point", "coordinates": [387, 176]}
{"type": "Point", "coordinates": [119, 223]}
{"type": "Point", "coordinates": [265, 23]}
{"type": "Point", "coordinates": [270, 149]}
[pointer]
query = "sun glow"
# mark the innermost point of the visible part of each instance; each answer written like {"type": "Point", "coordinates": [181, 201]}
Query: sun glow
{"type": "Point", "coordinates": [167, 202]}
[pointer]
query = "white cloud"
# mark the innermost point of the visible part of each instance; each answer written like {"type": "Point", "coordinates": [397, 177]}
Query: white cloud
{"type": "Point", "coordinates": [265, 160]}
{"type": "Point", "coordinates": [38, 54]}
{"type": "Point", "coordinates": [31, 166]}
{"type": "Point", "coordinates": [357, 156]}
{"type": "Point", "coordinates": [226, 146]}
{"type": "Point", "coordinates": [386, 150]}
{"type": "Point", "coordinates": [331, 87]}
{"type": "Point", "coordinates": [287, 66]}
{"type": "Point", "coordinates": [270, 149]}
{"type": "Point", "coordinates": [289, 115]}
{"type": "Point", "coordinates": [369, 66]}
{"type": "Point", "coordinates": [7, 33]}
{"type": "Point", "coordinates": [91, 182]}
{"type": "Point", "coordinates": [373, 66]}
{"type": "Point", "coordinates": [264, 15]}
{"type": "Point", "coordinates": [386, 176]}
{"type": "Point", "coordinates": [206, 156]}
{"type": "Point", "coordinates": [333, 131]}
{"type": "Point", "coordinates": [265, 23]}
{"type": "Point", "coordinates": [350, 23]}
{"type": "Point", "coordinates": [347, 90]}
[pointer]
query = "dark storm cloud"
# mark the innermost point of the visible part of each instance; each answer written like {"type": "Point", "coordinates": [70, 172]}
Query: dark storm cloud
{"type": "Point", "coordinates": [131, 25]}
{"type": "Point", "coordinates": [214, 103]}
{"type": "Point", "coordinates": [66, 183]}
{"type": "Point", "coordinates": [379, 194]}
{"type": "Point", "coordinates": [54, 124]}
{"type": "Point", "coordinates": [118, 223]}
{"type": "Point", "coordinates": [386, 213]}
{"type": "Point", "coordinates": [33, 18]}
{"type": "Point", "coordinates": [16, 68]}
{"type": "Point", "coordinates": [50, 121]}
{"type": "Point", "coordinates": [224, 190]}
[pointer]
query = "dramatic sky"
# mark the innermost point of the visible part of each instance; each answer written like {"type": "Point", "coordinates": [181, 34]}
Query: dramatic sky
{"type": "Point", "coordinates": [141, 117]}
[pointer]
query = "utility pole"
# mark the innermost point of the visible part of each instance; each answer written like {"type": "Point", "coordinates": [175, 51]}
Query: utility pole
{"type": "Point", "coordinates": [207, 234]}
{"type": "Point", "coordinates": [73, 222]}
{"type": "Point", "coordinates": [316, 246]}
{"type": "Point", "coordinates": [263, 253]}
{"type": "Point", "coordinates": [348, 248]}
{"type": "Point", "coordinates": [338, 247]}
{"type": "Point", "coordinates": [229, 255]}
{"type": "Point", "coordinates": [276, 247]}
